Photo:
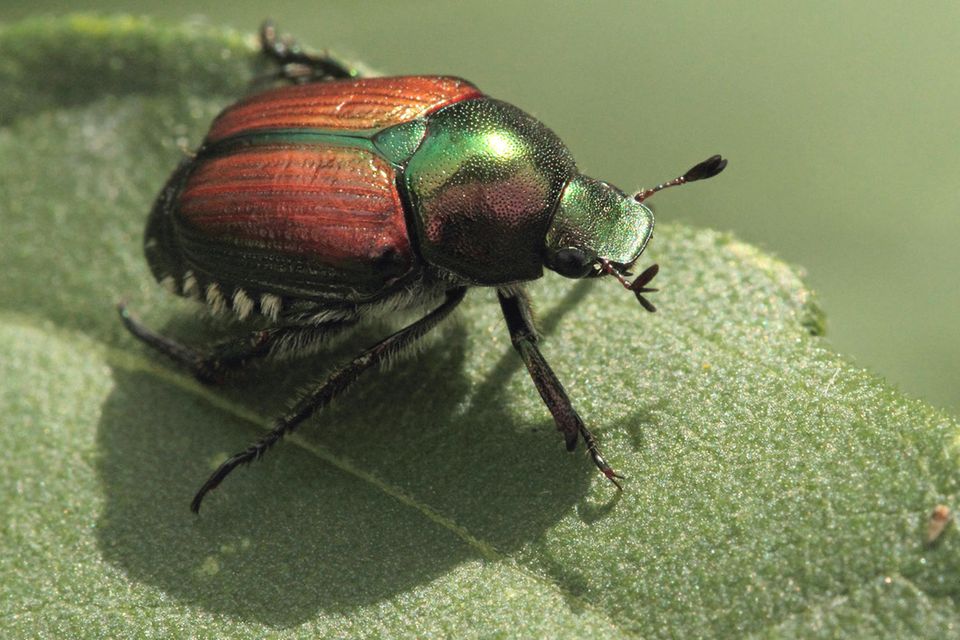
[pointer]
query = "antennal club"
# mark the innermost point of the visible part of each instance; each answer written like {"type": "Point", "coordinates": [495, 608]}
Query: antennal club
{"type": "Point", "coordinates": [639, 284]}
{"type": "Point", "coordinates": [706, 169]}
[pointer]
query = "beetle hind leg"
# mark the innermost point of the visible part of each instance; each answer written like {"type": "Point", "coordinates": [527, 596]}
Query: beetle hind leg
{"type": "Point", "coordinates": [337, 383]}
{"type": "Point", "coordinates": [296, 65]}
{"type": "Point", "coordinates": [176, 351]}
{"type": "Point", "coordinates": [213, 364]}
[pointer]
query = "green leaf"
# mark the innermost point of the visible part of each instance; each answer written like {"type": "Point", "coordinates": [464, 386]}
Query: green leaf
{"type": "Point", "coordinates": [773, 488]}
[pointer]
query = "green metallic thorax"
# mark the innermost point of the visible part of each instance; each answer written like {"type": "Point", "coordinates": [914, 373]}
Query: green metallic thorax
{"type": "Point", "coordinates": [483, 186]}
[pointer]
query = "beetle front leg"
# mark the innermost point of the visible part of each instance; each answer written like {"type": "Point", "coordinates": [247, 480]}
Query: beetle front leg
{"type": "Point", "coordinates": [519, 317]}
{"type": "Point", "coordinates": [337, 383]}
{"type": "Point", "coordinates": [296, 65]}
{"type": "Point", "coordinates": [212, 364]}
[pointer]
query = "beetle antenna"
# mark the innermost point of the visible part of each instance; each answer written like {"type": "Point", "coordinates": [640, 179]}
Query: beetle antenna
{"type": "Point", "coordinates": [639, 284]}
{"type": "Point", "coordinates": [706, 169]}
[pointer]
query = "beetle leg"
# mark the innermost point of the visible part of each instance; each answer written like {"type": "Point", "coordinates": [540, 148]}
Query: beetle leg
{"type": "Point", "coordinates": [176, 351]}
{"type": "Point", "coordinates": [296, 64]}
{"type": "Point", "coordinates": [233, 354]}
{"type": "Point", "coordinates": [237, 353]}
{"type": "Point", "coordinates": [337, 383]}
{"type": "Point", "coordinates": [519, 316]}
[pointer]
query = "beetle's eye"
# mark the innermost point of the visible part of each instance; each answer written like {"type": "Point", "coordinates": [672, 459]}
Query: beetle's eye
{"type": "Point", "coordinates": [572, 263]}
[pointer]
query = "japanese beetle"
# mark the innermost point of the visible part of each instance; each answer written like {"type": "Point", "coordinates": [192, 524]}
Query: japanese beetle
{"type": "Point", "coordinates": [333, 197]}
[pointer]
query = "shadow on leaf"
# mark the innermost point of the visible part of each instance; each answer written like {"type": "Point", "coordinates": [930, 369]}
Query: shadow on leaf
{"type": "Point", "coordinates": [293, 534]}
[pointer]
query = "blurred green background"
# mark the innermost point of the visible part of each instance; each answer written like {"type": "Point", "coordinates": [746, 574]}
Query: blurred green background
{"type": "Point", "coordinates": [840, 121]}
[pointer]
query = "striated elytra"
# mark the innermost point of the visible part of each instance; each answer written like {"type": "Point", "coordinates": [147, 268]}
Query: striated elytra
{"type": "Point", "coordinates": [333, 198]}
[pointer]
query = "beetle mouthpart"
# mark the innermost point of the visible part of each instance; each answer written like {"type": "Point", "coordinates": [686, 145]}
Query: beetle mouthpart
{"type": "Point", "coordinates": [706, 169]}
{"type": "Point", "coordinates": [639, 284]}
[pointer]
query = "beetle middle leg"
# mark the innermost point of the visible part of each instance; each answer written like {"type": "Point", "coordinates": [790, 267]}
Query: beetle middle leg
{"type": "Point", "coordinates": [212, 364]}
{"type": "Point", "coordinates": [338, 382]}
{"type": "Point", "coordinates": [519, 317]}
{"type": "Point", "coordinates": [296, 64]}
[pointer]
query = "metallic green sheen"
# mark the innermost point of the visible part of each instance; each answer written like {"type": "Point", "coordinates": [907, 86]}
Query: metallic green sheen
{"type": "Point", "coordinates": [398, 143]}
{"type": "Point", "coordinates": [600, 220]}
{"type": "Point", "coordinates": [483, 186]}
{"type": "Point", "coordinates": [302, 137]}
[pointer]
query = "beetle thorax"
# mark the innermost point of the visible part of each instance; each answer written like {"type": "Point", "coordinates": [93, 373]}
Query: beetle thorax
{"type": "Point", "coordinates": [483, 186]}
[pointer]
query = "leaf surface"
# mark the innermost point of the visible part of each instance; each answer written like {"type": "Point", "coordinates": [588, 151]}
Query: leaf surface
{"type": "Point", "coordinates": [773, 488]}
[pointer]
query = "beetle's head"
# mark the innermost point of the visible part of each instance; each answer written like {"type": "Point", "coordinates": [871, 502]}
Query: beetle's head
{"type": "Point", "coordinates": [599, 230]}
{"type": "Point", "coordinates": [593, 221]}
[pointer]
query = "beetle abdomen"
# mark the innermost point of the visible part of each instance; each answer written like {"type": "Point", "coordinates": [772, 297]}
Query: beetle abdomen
{"type": "Point", "coordinates": [303, 221]}
{"type": "Point", "coordinates": [370, 103]}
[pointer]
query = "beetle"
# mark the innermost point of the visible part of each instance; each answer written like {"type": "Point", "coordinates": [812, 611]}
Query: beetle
{"type": "Point", "coordinates": [333, 197]}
